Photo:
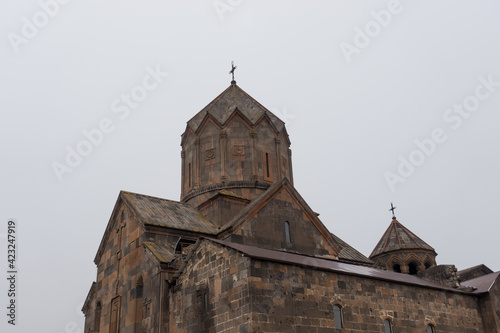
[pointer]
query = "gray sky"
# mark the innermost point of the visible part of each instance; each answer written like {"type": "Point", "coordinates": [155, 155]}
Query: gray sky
{"type": "Point", "coordinates": [365, 88]}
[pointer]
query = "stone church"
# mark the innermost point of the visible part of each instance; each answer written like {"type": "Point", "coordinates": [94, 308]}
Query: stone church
{"type": "Point", "coordinates": [243, 252]}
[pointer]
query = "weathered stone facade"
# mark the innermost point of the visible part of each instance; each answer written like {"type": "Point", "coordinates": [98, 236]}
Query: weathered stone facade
{"type": "Point", "coordinates": [212, 294]}
{"type": "Point", "coordinates": [243, 251]}
{"type": "Point", "coordinates": [301, 299]}
{"type": "Point", "coordinates": [233, 143]}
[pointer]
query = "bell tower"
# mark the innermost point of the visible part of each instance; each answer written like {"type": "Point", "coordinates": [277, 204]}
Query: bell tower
{"type": "Point", "coordinates": [400, 250]}
{"type": "Point", "coordinates": [233, 148]}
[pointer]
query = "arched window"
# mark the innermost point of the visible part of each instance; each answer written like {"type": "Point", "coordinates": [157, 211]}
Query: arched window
{"type": "Point", "coordinates": [97, 317]}
{"type": "Point", "coordinates": [430, 329]}
{"type": "Point", "coordinates": [427, 264]}
{"type": "Point", "coordinates": [287, 232]}
{"type": "Point", "coordinates": [387, 326]}
{"type": "Point", "coordinates": [396, 268]}
{"type": "Point", "coordinates": [337, 316]}
{"type": "Point", "coordinates": [413, 268]}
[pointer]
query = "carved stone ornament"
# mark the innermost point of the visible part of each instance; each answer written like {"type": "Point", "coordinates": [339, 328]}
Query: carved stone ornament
{"type": "Point", "coordinates": [239, 150]}
{"type": "Point", "coordinates": [210, 154]}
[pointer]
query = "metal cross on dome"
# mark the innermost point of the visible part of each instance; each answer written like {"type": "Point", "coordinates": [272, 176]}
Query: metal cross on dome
{"type": "Point", "coordinates": [392, 209]}
{"type": "Point", "coordinates": [233, 67]}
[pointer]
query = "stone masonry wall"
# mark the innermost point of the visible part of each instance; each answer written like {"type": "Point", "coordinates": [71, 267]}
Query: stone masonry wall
{"type": "Point", "coordinates": [238, 151]}
{"type": "Point", "coordinates": [126, 285]}
{"type": "Point", "coordinates": [211, 295]}
{"type": "Point", "coordinates": [289, 298]}
{"type": "Point", "coordinates": [266, 229]}
{"type": "Point", "coordinates": [490, 305]}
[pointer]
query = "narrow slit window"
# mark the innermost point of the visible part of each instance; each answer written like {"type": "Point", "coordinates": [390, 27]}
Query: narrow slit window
{"type": "Point", "coordinates": [205, 300]}
{"type": "Point", "coordinates": [189, 176]}
{"type": "Point", "coordinates": [387, 326]}
{"type": "Point", "coordinates": [139, 313]}
{"type": "Point", "coordinates": [267, 164]}
{"type": "Point", "coordinates": [430, 329]}
{"type": "Point", "coordinates": [287, 232]}
{"type": "Point", "coordinates": [337, 316]}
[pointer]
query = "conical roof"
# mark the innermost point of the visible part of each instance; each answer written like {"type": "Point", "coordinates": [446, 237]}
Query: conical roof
{"type": "Point", "coordinates": [398, 237]}
{"type": "Point", "coordinates": [230, 100]}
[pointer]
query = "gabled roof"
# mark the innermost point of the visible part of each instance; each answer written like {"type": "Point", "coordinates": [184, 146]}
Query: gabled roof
{"type": "Point", "coordinates": [473, 272]}
{"type": "Point", "coordinates": [230, 100]}
{"type": "Point", "coordinates": [350, 254]}
{"type": "Point", "coordinates": [266, 197]}
{"type": "Point", "coordinates": [483, 283]}
{"type": "Point", "coordinates": [159, 212]}
{"type": "Point", "coordinates": [398, 237]}
{"type": "Point", "coordinates": [168, 213]}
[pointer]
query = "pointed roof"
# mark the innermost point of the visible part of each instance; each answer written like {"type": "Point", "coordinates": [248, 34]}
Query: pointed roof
{"type": "Point", "coordinates": [398, 237]}
{"type": "Point", "coordinates": [226, 104]}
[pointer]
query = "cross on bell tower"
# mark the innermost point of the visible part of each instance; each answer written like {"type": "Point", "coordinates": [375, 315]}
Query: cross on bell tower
{"type": "Point", "coordinates": [392, 209]}
{"type": "Point", "coordinates": [233, 67]}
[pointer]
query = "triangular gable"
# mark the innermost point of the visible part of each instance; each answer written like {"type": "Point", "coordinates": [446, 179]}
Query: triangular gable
{"type": "Point", "coordinates": [286, 205]}
{"type": "Point", "coordinates": [236, 113]}
{"type": "Point", "coordinates": [157, 212]}
{"type": "Point", "coordinates": [120, 205]}
{"type": "Point", "coordinates": [232, 99]}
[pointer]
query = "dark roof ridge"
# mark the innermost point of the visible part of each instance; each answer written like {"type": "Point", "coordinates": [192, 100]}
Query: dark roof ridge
{"type": "Point", "coordinates": [475, 267]}
{"type": "Point", "coordinates": [332, 265]}
{"type": "Point", "coordinates": [150, 196]}
{"type": "Point", "coordinates": [252, 204]}
{"type": "Point", "coordinates": [482, 284]}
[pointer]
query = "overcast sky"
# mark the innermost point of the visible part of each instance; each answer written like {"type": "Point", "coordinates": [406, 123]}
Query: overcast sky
{"type": "Point", "coordinates": [383, 101]}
